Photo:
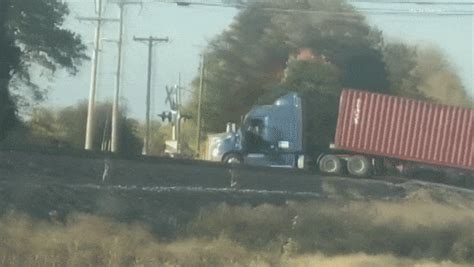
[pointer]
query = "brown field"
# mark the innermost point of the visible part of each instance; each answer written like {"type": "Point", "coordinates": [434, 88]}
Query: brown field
{"type": "Point", "coordinates": [424, 229]}
{"type": "Point", "coordinates": [57, 211]}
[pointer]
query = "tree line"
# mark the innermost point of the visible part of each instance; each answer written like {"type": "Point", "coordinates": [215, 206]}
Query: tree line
{"type": "Point", "coordinates": [313, 47]}
{"type": "Point", "coordinates": [316, 50]}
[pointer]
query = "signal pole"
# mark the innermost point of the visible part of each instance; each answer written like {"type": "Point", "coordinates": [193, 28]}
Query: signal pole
{"type": "Point", "coordinates": [150, 40]}
{"type": "Point", "coordinates": [90, 126]}
{"type": "Point", "coordinates": [115, 106]}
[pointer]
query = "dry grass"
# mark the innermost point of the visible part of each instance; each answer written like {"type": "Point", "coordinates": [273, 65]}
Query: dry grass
{"type": "Point", "coordinates": [416, 232]}
{"type": "Point", "coordinates": [413, 228]}
{"type": "Point", "coordinates": [364, 260]}
{"type": "Point", "coordinates": [93, 241]}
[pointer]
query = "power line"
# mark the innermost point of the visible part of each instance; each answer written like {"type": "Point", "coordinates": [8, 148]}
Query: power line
{"type": "Point", "coordinates": [414, 12]}
{"type": "Point", "coordinates": [263, 3]}
{"type": "Point", "coordinates": [413, 2]}
{"type": "Point", "coordinates": [380, 11]}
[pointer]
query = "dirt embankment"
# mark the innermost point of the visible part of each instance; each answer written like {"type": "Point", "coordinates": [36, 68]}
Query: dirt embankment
{"type": "Point", "coordinates": [79, 210]}
{"type": "Point", "coordinates": [158, 191]}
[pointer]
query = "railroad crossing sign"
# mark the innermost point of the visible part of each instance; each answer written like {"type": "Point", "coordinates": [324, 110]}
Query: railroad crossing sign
{"type": "Point", "coordinates": [171, 95]}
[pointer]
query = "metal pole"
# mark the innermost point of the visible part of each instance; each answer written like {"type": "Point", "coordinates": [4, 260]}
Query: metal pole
{"type": "Point", "coordinates": [90, 126]}
{"type": "Point", "coordinates": [201, 88]}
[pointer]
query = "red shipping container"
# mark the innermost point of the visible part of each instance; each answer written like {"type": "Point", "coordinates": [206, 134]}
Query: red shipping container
{"type": "Point", "coordinates": [406, 129]}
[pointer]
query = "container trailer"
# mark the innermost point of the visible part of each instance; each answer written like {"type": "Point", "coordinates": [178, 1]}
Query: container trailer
{"type": "Point", "coordinates": [374, 133]}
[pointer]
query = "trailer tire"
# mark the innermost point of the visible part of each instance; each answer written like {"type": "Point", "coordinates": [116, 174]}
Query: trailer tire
{"type": "Point", "coordinates": [330, 164]}
{"type": "Point", "coordinates": [232, 158]}
{"type": "Point", "coordinates": [358, 166]}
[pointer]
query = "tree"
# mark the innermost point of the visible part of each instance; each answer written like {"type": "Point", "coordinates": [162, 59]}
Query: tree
{"type": "Point", "coordinates": [31, 35]}
{"type": "Point", "coordinates": [437, 79]}
{"type": "Point", "coordinates": [400, 60]}
{"type": "Point", "coordinates": [423, 73]}
{"type": "Point", "coordinates": [158, 135]}
{"type": "Point", "coordinates": [251, 62]}
{"type": "Point", "coordinates": [249, 58]}
{"type": "Point", "coordinates": [318, 83]}
{"type": "Point", "coordinates": [277, 47]}
{"type": "Point", "coordinates": [65, 128]}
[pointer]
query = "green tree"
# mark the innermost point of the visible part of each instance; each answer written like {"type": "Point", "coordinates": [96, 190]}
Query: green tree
{"type": "Point", "coordinates": [400, 60]}
{"type": "Point", "coordinates": [158, 135]}
{"type": "Point", "coordinates": [66, 127]}
{"type": "Point", "coordinates": [31, 35]}
{"type": "Point", "coordinates": [249, 59]}
{"type": "Point", "coordinates": [319, 85]}
{"type": "Point", "coordinates": [257, 59]}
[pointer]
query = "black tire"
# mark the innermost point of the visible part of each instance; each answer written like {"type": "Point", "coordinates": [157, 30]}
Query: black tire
{"type": "Point", "coordinates": [233, 159]}
{"type": "Point", "coordinates": [359, 166]}
{"type": "Point", "coordinates": [330, 164]}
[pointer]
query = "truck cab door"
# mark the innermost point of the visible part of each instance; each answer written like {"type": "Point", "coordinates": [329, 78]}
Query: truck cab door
{"type": "Point", "coordinates": [259, 150]}
{"type": "Point", "coordinates": [254, 143]}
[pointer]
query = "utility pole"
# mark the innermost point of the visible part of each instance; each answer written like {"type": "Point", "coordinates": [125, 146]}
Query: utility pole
{"type": "Point", "coordinates": [150, 40]}
{"type": "Point", "coordinates": [201, 88]}
{"type": "Point", "coordinates": [178, 114]}
{"type": "Point", "coordinates": [90, 127]}
{"type": "Point", "coordinates": [115, 106]}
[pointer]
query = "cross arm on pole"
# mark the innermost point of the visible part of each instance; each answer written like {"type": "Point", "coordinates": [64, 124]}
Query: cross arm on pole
{"type": "Point", "coordinates": [150, 39]}
{"type": "Point", "coordinates": [122, 3]}
{"type": "Point", "coordinates": [99, 19]}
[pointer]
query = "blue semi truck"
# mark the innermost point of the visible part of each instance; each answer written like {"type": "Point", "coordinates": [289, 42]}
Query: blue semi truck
{"type": "Point", "coordinates": [270, 135]}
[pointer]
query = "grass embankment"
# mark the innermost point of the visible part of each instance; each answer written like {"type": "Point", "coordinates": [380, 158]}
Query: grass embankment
{"type": "Point", "coordinates": [416, 231]}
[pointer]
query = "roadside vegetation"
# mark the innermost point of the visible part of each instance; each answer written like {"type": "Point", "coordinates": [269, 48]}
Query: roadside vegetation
{"type": "Point", "coordinates": [417, 231]}
{"type": "Point", "coordinates": [64, 129]}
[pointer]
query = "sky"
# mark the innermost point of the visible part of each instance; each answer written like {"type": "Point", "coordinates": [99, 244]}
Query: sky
{"type": "Point", "coordinates": [189, 30]}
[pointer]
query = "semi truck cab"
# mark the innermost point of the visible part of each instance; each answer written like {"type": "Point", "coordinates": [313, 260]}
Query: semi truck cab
{"type": "Point", "coordinates": [270, 135]}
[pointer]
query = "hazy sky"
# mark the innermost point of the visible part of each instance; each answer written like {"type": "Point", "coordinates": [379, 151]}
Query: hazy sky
{"type": "Point", "coordinates": [190, 28]}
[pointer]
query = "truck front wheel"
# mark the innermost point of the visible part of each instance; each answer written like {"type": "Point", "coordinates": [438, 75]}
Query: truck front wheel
{"type": "Point", "coordinates": [330, 164]}
{"type": "Point", "coordinates": [232, 158]}
{"type": "Point", "coordinates": [358, 166]}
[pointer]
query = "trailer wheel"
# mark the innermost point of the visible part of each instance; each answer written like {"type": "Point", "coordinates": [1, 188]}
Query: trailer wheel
{"type": "Point", "coordinates": [358, 166]}
{"type": "Point", "coordinates": [232, 158]}
{"type": "Point", "coordinates": [330, 164]}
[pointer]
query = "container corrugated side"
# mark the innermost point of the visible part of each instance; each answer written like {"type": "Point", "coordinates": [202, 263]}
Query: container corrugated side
{"type": "Point", "coordinates": [406, 129]}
